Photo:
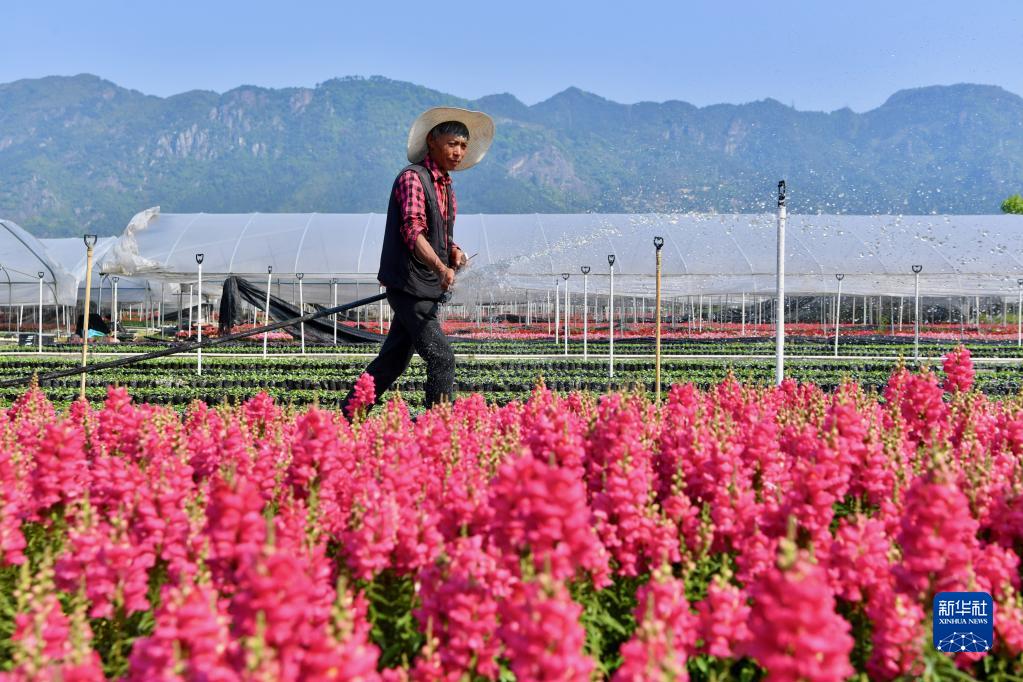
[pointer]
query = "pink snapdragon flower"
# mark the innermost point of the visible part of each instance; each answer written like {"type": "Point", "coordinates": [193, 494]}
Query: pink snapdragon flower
{"type": "Point", "coordinates": [364, 396]}
{"type": "Point", "coordinates": [541, 509]}
{"type": "Point", "coordinates": [958, 370]}
{"type": "Point", "coordinates": [723, 617]}
{"type": "Point", "coordinates": [542, 635]}
{"type": "Point", "coordinates": [795, 633]}
{"type": "Point", "coordinates": [665, 636]}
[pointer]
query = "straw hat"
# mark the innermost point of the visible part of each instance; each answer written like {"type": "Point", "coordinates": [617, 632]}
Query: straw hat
{"type": "Point", "coordinates": [481, 133]}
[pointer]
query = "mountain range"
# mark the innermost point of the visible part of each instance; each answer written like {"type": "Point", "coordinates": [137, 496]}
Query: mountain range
{"type": "Point", "coordinates": [81, 154]}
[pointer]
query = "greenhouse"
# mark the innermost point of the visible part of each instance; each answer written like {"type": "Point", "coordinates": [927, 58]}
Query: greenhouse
{"type": "Point", "coordinates": [24, 260]}
{"type": "Point", "coordinates": [70, 253]}
{"type": "Point", "coordinates": [514, 254]}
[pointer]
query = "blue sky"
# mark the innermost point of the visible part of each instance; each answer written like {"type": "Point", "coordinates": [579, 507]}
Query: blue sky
{"type": "Point", "coordinates": [819, 55]}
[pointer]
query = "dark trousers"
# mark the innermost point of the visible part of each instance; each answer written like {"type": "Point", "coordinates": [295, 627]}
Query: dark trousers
{"type": "Point", "coordinates": [414, 327]}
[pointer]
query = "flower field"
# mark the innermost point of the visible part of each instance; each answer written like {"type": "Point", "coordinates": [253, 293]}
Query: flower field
{"type": "Point", "coordinates": [729, 533]}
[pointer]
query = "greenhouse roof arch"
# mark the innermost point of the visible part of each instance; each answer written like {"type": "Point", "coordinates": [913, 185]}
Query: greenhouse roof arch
{"type": "Point", "coordinates": [70, 253]}
{"type": "Point", "coordinates": [22, 257]}
{"type": "Point", "coordinates": [705, 254]}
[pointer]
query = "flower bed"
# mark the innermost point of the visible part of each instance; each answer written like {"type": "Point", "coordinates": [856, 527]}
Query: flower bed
{"type": "Point", "coordinates": [725, 533]}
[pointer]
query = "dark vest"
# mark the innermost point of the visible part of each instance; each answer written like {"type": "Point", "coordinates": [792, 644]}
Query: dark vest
{"type": "Point", "coordinates": [399, 267]}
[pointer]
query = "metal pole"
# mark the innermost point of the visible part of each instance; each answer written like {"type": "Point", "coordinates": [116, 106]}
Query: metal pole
{"type": "Point", "coordinates": [40, 335]}
{"type": "Point", "coordinates": [586, 301]}
{"type": "Point", "coordinates": [611, 318]}
{"type": "Point", "coordinates": [266, 311]}
{"type": "Point", "coordinates": [557, 311]}
{"type": "Point", "coordinates": [743, 333]}
{"type": "Point", "coordinates": [658, 243]}
{"type": "Point", "coordinates": [916, 313]}
{"type": "Point", "coordinates": [333, 282]}
{"type": "Point", "coordinates": [198, 356]}
{"type": "Point", "coordinates": [838, 309]}
{"type": "Point", "coordinates": [380, 312]}
{"type": "Point", "coordinates": [99, 302]}
{"type": "Point", "coordinates": [90, 241]}
{"type": "Point", "coordinates": [565, 276]}
{"type": "Point", "coordinates": [1019, 314]}
{"type": "Point", "coordinates": [113, 312]}
{"type": "Point", "coordinates": [548, 312]}
{"type": "Point", "coordinates": [301, 309]}
{"type": "Point", "coordinates": [8, 296]}
{"type": "Point", "coordinates": [779, 362]}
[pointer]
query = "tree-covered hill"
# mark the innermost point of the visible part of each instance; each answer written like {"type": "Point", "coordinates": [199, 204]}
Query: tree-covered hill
{"type": "Point", "coordinates": [82, 154]}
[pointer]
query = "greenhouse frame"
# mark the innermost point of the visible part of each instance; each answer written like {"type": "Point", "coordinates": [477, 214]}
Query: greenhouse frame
{"type": "Point", "coordinates": [704, 254]}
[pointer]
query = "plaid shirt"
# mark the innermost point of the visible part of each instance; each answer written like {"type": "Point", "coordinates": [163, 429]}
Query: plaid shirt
{"type": "Point", "coordinates": [412, 199]}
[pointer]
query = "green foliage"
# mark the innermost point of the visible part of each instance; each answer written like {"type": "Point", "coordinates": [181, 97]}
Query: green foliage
{"type": "Point", "coordinates": [1014, 204]}
{"type": "Point", "coordinates": [113, 638]}
{"type": "Point", "coordinates": [704, 668]}
{"type": "Point", "coordinates": [608, 619]}
{"type": "Point", "coordinates": [394, 629]}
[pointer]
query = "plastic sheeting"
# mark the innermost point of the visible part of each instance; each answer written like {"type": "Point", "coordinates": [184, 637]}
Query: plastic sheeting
{"type": "Point", "coordinates": [22, 257]}
{"type": "Point", "coordinates": [70, 253]}
{"type": "Point", "coordinates": [703, 254]}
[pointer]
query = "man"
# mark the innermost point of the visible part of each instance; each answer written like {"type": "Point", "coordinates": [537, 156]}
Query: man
{"type": "Point", "coordinates": [419, 258]}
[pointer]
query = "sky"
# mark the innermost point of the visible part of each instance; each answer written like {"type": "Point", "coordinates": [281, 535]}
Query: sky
{"type": "Point", "coordinates": [815, 55]}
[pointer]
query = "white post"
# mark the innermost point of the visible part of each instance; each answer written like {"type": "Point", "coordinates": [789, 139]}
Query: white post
{"type": "Point", "coordinates": [548, 312]}
{"type": "Point", "coordinates": [380, 312]}
{"type": "Point", "coordinates": [611, 318]}
{"type": "Point", "coordinates": [838, 309]}
{"type": "Point", "coordinates": [266, 312]}
{"type": "Point", "coordinates": [916, 313]}
{"type": "Point", "coordinates": [658, 243]}
{"type": "Point", "coordinates": [40, 339]}
{"type": "Point", "coordinates": [557, 311]}
{"type": "Point", "coordinates": [333, 282]}
{"type": "Point", "coordinates": [198, 356]}
{"type": "Point", "coordinates": [743, 314]}
{"type": "Point", "coordinates": [301, 310]}
{"type": "Point", "coordinates": [779, 362]}
{"type": "Point", "coordinates": [586, 280]}
{"type": "Point", "coordinates": [1019, 315]}
{"type": "Point", "coordinates": [564, 276]}
{"type": "Point", "coordinates": [113, 312]}
{"type": "Point", "coordinates": [190, 306]}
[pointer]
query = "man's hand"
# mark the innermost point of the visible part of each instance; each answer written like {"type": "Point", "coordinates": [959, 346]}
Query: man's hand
{"type": "Point", "coordinates": [447, 278]}
{"type": "Point", "coordinates": [458, 258]}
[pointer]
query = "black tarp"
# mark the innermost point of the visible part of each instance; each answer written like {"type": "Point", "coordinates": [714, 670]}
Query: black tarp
{"type": "Point", "coordinates": [96, 323]}
{"type": "Point", "coordinates": [237, 290]}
